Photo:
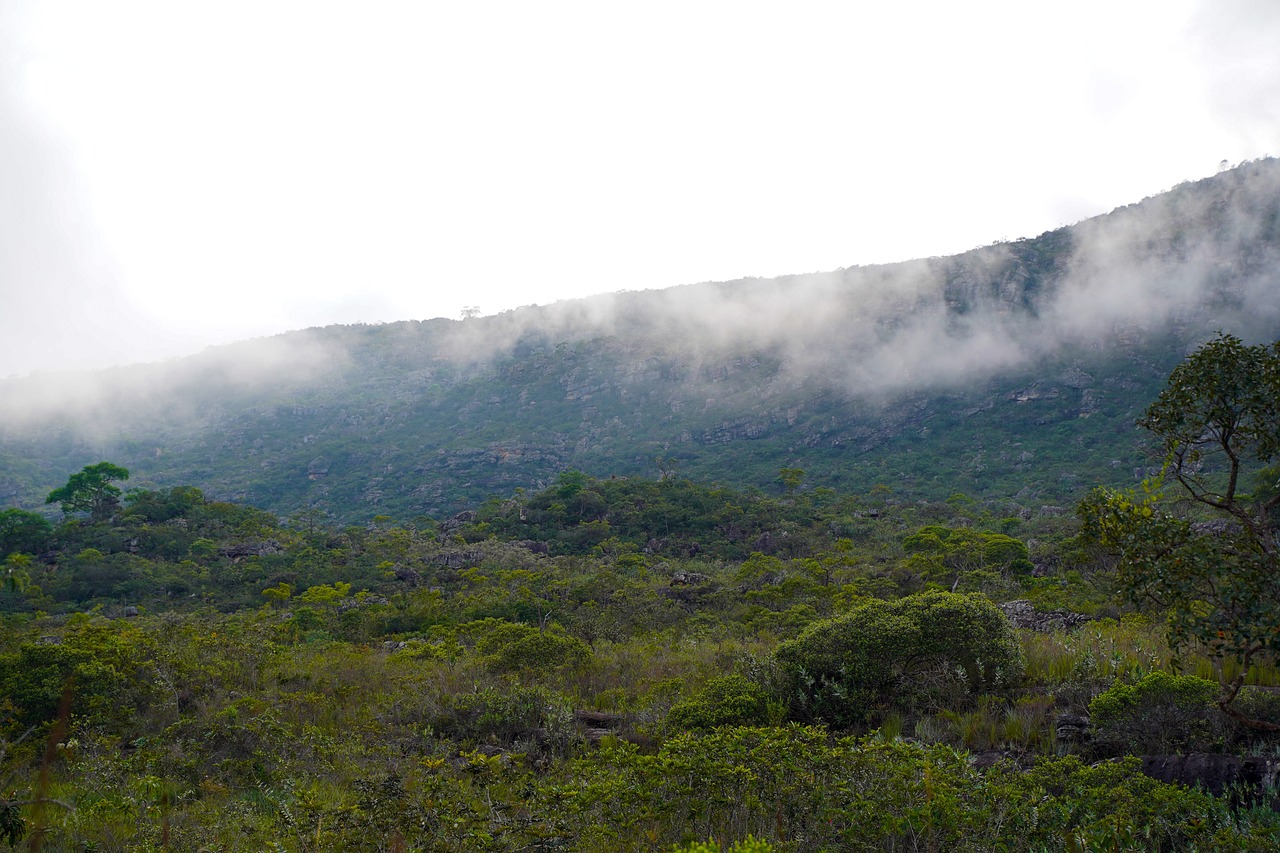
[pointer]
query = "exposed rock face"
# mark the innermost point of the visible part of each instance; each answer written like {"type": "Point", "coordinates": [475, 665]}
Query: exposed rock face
{"type": "Point", "coordinates": [534, 547]}
{"type": "Point", "coordinates": [1072, 728]}
{"type": "Point", "coordinates": [688, 588]}
{"type": "Point", "coordinates": [595, 725]}
{"type": "Point", "coordinates": [1044, 565]}
{"type": "Point", "coordinates": [1033, 392]}
{"type": "Point", "coordinates": [1024, 615]}
{"type": "Point", "coordinates": [450, 525]}
{"type": "Point", "coordinates": [664, 545]}
{"type": "Point", "coordinates": [407, 575]}
{"type": "Point", "coordinates": [1217, 774]}
{"type": "Point", "coordinates": [462, 559]}
{"type": "Point", "coordinates": [1216, 527]}
{"type": "Point", "coordinates": [354, 603]}
{"type": "Point", "coordinates": [240, 550]}
{"type": "Point", "coordinates": [766, 543]}
{"type": "Point", "coordinates": [1076, 378]}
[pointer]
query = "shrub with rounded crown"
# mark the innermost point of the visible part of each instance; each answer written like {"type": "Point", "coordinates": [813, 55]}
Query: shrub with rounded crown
{"type": "Point", "coordinates": [890, 654]}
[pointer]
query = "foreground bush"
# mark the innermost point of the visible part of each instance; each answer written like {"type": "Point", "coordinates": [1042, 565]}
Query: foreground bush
{"type": "Point", "coordinates": [728, 701]}
{"type": "Point", "coordinates": [801, 790]}
{"type": "Point", "coordinates": [506, 715]}
{"type": "Point", "coordinates": [882, 654]}
{"type": "Point", "coordinates": [748, 845]}
{"type": "Point", "coordinates": [1161, 713]}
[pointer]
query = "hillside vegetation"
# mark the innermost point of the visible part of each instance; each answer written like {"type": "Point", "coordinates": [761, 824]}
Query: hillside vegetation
{"type": "Point", "coordinates": [966, 554]}
{"type": "Point", "coordinates": [602, 665]}
{"type": "Point", "coordinates": [1012, 372]}
{"type": "Point", "coordinates": [637, 664]}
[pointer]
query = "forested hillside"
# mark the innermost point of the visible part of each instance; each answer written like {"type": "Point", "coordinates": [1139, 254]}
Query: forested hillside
{"type": "Point", "coordinates": [613, 664]}
{"type": "Point", "coordinates": [827, 658]}
{"type": "Point", "coordinates": [1013, 373]}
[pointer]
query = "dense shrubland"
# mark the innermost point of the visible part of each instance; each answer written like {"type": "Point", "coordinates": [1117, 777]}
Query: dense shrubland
{"type": "Point", "coordinates": [604, 665]}
{"type": "Point", "coordinates": [627, 664]}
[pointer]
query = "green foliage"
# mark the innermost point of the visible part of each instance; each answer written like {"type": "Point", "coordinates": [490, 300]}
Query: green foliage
{"type": "Point", "coordinates": [508, 647]}
{"type": "Point", "coordinates": [506, 714]}
{"type": "Point", "coordinates": [12, 826]}
{"type": "Point", "coordinates": [1259, 703]}
{"type": "Point", "coordinates": [952, 555]}
{"type": "Point", "coordinates": [1161, 713]}
{"type": "Point", "coordinates": [675, 517]}
{"type": "Point", "coordinates": [801, 790]}
{"type": "Point", "coordinates": [91, 490]}
{"type": "Point", "coordinates": [278, 594]}
{"type": "Point", "coordinates": [882, 654]}
{"type": "Point", "coordinates": [156, 507]}
{"type": "Point", "coordinates": [527, 404]}
{"type": "Point", "coordinates": [1217, 419]}
{"type": "Point", "coordinates": [730, 700]}
{"type": "Point", "coordinates": [17, 572]}
{"type": "Point", "coordinates": [1221, 407]}
{"type": "Point", "coordinates": [791, 478]}
{"type": "Point", "coordinates": [420, 692]}
{"type": "Point", "coordinates": [322, 594]}
{"type": "Point", "coordinates": [88, 671]}
{"type": "Point", "coordinates": [23, 532]}
{"type": "Point", "coordinates": [750, 844]}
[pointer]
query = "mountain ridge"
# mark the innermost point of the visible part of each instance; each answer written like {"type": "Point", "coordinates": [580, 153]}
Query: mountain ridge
{"type": "Point", "coordinates": [929, 376]}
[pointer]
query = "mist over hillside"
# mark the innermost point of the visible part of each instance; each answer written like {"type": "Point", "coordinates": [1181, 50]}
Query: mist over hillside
{"type": "Point", "coordinates": [1013, 371]}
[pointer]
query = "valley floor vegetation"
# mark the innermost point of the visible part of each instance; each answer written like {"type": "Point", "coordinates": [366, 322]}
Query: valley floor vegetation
{"type": "Point", "coordinates": [622, 665]}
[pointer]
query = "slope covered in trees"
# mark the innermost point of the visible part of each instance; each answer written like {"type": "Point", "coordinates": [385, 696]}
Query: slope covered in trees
{"type": "Point", "coordinates": [639, 664]}
{"type": "Point", "coordinates": [1014, 371]}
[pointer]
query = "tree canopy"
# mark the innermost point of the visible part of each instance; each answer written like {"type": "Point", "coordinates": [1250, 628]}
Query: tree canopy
{"type": "Point", "coordinates": [92, 490]}
{"type": "Point", "coordinates": [23, 532]}
{"type": "Point", "coordinates": [1207, 551]}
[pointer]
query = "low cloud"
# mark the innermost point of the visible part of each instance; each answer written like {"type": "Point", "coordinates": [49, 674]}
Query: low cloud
{"type": "Point", "coordinates": [1202, 257]}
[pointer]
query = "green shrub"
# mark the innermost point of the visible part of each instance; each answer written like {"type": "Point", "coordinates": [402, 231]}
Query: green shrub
{"type": "Point", "coordinates": [1161, 713]}
{"type": "Point", "coordinates": [538, 650]}
{"type": "Point", "coordinates": [728, 701]}
{"type": "Point", "coordinates": [23, 532]}
{"type": "Point", "coordinates": [506, 715]}
{"type": "Point", "coordinates": [750, 844]}
{"type": "Point", "coordinates": [884, 654]}
{"type": "Point", "coordinates": [36, 677]}
{"type": "Point", "coordinates": [513, 646]}
{"type": "Point", "coordinates": [1259, 704]}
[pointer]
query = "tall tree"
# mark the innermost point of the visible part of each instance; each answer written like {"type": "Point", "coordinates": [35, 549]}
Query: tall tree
{"type": "Point", "coordinates": [92, 491]}
{"type": "Point", "coordinates": [1206, 549]}
{"type": "Point", "coordinates": [23, 532]}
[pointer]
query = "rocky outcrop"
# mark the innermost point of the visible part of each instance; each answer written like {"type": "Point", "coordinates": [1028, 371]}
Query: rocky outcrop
{"type": "Point", "coordinates": [534, 547]}
{"type": "Point", "coordinates": [678, 548]}
{"type": "Point", "coordinates": [1216, 527]}
{"type": "Point", "coordinates": [1033, 392]}
{"type": "Point", "coordinates": [1076, 378]}
{"type": "Point", "coordinates": [595, 725]}
{"type": "Point", "coordinates": [1072, 728]}
{"type": "Point", "coordinates": [1023, 614]}
{"type": "Point", "coordinates": [240, 550]}
{"type": "Point", "coordinates": [407, 574]}
{"type": "Point", "coordinates": [462, 559]}
{"type": "Point", "coordinates": [452, 525]}
{"type": "Point", "coordinates": [1244, 778]}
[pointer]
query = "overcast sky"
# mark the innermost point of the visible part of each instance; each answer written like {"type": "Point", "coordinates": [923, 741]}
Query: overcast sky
{"type": "Point", "coordinates": [175, 174]}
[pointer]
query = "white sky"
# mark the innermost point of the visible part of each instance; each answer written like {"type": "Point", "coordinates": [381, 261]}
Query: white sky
{"type": "Point", "coordinates": [175, 174]}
